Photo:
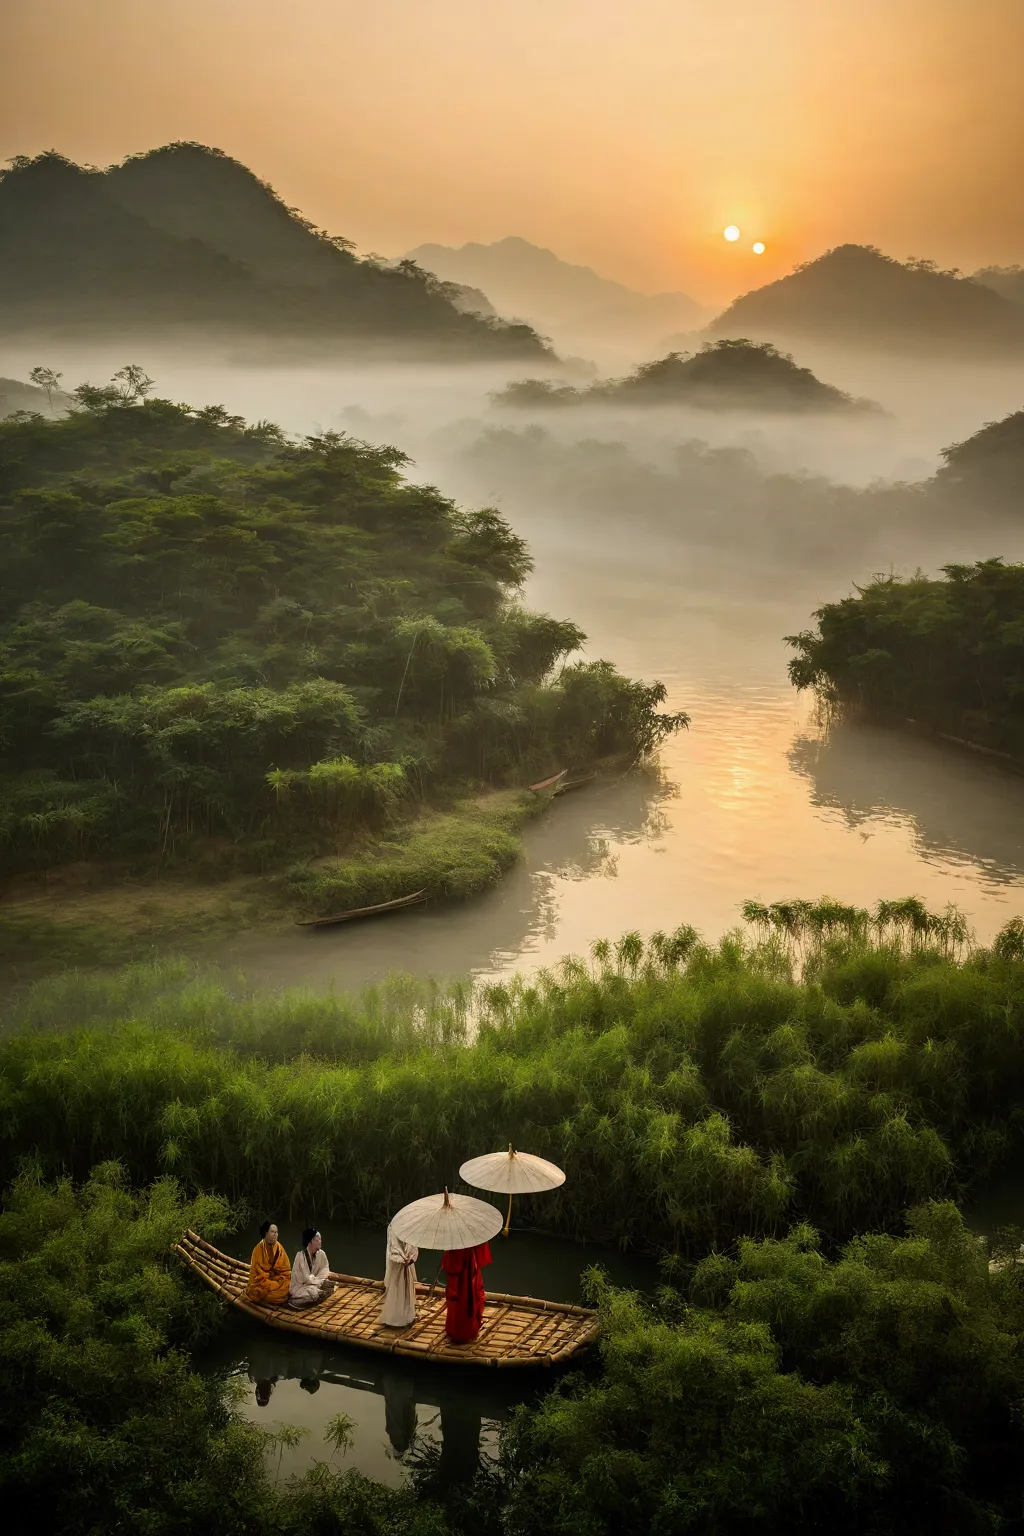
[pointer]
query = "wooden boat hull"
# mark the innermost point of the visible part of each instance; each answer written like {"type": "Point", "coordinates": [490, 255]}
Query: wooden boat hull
{"type": "Point", "coordinates": [570, 784]}
{"type": "Point", "coordinates": [548, 786]}
{"type": "Point", "coordinates": [357, 912]}
{"type": "Point", "coordinates": [516, 1330]}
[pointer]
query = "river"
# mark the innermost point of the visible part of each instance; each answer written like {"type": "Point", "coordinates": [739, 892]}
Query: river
{"type": "Point", "coordinates": [758, 799]}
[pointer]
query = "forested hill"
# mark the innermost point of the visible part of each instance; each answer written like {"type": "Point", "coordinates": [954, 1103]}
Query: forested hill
{"type": "Point", "coordinates": [857, 296]}
{"type": "Point", "coordinates": [187, 237]}
{"type": "Point", "coordinates": [724, 375]}
{"type": "Point", "coordinates": [206, 630]}
{"type": "Point", "coordinates": [987, 469]}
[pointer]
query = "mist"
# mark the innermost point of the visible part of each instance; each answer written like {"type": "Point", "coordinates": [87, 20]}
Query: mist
{"type": "Point", "coordinates": [686, 543]}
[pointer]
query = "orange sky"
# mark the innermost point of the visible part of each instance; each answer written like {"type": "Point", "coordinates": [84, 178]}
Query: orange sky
{"type": "Point", "coordinates": [622, 133]}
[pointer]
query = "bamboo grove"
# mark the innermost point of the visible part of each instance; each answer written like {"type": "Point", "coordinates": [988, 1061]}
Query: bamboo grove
{"type": "Point", "coordinates": [787, 1116]}
{"type": "Point", "coordinates": [947, 654]}
{"type": "Point", "coordinates": [208, 631]}
{"type": "Point", "coordinates": [833, 1066]}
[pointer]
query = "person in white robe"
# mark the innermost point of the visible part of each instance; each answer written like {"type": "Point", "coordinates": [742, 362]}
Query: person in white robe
{"type": "Point", "coordinates": [399, 1282]}
{"type": "Point", "coordinates": [311, 1274]}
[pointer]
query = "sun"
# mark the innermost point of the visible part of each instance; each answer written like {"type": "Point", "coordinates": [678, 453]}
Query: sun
{"type": "Point", "coordinates": [731, 232]}
{"type": "Point", "coordinates": [758, 247]}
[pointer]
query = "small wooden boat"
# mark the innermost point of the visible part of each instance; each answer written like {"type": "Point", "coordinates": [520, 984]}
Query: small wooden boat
{"type": "Point", "coordinates": [576, 783]}
{"type": "Point", "coordinates": [548, 786]}
{"type": "Point", "coordinates": [354, 912]}
{"type": "Point", "coordinates": [516, 1330]}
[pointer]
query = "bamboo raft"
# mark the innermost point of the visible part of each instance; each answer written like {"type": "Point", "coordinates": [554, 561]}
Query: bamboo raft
{"type": "Point", "coordinates": [516, 1330]}
{"type": "Point", "coordinates": [356, 912]}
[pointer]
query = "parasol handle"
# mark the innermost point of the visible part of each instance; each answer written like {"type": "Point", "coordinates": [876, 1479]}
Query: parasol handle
{"type": "Point", "coordinates": [434, 1281]}
{"type": "Point", "coordinates": [508, 1218]}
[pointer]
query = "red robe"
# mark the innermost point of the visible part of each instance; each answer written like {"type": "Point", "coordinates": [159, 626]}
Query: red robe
{"type": "Point", "coordinates": [464, 1291]}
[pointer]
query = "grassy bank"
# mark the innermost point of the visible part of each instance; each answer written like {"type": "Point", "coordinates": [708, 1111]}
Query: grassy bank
{"type": "Point", "coordinates": [95, 914]}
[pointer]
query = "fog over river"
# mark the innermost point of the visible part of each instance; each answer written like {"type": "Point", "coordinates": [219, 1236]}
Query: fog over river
{"type": "Point", "coordinates": [694, 581]}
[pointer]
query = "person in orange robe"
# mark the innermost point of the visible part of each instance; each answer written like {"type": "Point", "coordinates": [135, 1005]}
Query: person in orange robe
{"type": "Point", "coordinates": [464, 1291]}
{"type": "Point", "coordinates": [269, 1270]}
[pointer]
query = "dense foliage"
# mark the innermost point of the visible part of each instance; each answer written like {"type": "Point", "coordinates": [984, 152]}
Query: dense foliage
{"type": "Point", "coordinates": [207, 630]}
{"type": "Point", "coordinates": [104, 1424]}
{"type": "Point", "coordinates": [732, 374]}
{"type": "Point", "coordinates": [698, 1094]}
{"type": "Point", "coordinates": [779, 1390]}
{"type": "Point", "coordinates": [947, 653]}
{"type": "Point", "coordinates": [865, 1376]}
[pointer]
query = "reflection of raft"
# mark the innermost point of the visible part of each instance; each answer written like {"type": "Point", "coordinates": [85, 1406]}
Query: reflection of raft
{"type": "Point", "coordinates": [354, 912]}
{"type": "Point", "coordinates": [517, 1330]}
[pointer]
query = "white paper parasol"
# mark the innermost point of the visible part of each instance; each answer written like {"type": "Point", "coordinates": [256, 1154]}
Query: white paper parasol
{"type": "Point", "coordinates": [512, 1173]}
{"type": "Point", "coordinates": [447, 1221]}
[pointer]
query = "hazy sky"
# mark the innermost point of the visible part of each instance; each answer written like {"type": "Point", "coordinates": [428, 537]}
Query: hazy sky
{"type": "Point", "coordinates": [622, 133]}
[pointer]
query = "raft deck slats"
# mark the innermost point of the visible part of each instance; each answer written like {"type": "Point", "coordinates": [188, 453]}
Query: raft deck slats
{"type": "Point", "coordinates": [516, 1330]}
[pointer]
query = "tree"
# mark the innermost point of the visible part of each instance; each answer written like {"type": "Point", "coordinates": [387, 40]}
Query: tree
{"type": "Point", "coordinates": [46, 378]}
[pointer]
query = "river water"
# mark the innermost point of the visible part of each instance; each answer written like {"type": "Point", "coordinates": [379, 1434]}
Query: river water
{"type": "Point", "coordinates": [758, 799]}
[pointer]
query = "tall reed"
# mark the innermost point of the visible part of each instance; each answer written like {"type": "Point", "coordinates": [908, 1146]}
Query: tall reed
{"type": "Point", "coordinates": [693, 1093]}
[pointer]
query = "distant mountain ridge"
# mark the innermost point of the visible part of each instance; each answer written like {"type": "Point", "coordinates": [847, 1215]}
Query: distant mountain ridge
{"type": "Point", "coordinates": [184, 236]}
{"type": "Point", "coordinates": [1007, 281]}
{"type": "Point", "coordinates": [531, 282]}
{"type": "Point", "coordinates": [857, 296]}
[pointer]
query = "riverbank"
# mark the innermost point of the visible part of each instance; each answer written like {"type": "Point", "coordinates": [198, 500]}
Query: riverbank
{"type": "Point", "coordinates": [86, 914]}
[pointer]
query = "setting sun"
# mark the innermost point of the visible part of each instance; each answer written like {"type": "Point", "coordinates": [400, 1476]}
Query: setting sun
{"type": "Point", "coordinates": [758, 247]}
{"type": "Point", "coordinates": [731, 232]}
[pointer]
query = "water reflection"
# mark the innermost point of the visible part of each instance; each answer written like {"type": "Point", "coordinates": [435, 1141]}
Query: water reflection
{"type": "Point", "coordinates": [961, 808]}
{"type": "Point", "coordinates": [576, 839]}
{"type": "Point", "coordinates": [401, 1410]}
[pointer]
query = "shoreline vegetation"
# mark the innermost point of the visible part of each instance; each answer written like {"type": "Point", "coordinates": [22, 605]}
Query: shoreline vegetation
{"type": "Point", "coordinates": [942, 655]}
{"type": "Point", "coordinates": [279, 666]}
{"type": "Point", "coordinates": [788, 1116]}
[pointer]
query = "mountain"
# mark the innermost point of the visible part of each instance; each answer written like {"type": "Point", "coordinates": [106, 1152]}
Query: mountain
{"type": "Point", "coordinates": [15, 395]}
{"type": "Point", "coordinates": [187, 237]}
{"type": "Point", "coordinates": [856, 296]}
{"type": "Point", "coordinates": [723, 375]}
{"type": "Point", "coordinates": [1007, 281]}
{"type": "Point", "coordinates": [527, 280]}
{"type": "Point", "coordinates": [987, 469]}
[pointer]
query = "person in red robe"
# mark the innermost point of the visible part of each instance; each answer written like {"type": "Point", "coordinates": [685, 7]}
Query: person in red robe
{"type": "Point", "coordinates": [464, 1291]}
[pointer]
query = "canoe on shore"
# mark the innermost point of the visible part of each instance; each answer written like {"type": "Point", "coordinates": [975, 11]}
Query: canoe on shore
{"type": "Point", "coordinates": [354, 912]}
{"type": "Point", "coordinates": [576, 783]}
{"type": "Point", "coordinates": [548, 786]}
{"type": "Point", "coordinates": [516, 1330]}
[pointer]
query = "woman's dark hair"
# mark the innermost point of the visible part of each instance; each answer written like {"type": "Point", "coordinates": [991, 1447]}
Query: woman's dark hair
{"type": "Point", "coordinates": [265, 1227]}
{"type": "Point", "coordinates": [308, 1235]}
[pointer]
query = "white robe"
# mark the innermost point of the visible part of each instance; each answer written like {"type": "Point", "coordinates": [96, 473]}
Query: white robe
{"type": "Point", "coordinates": [307, 1284]}
{"type": "Point", "coordinates": [399, 1283]}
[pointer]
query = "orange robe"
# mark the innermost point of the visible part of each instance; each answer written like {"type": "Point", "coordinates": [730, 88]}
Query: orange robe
{"type": "Point", "coordinates": [269, 1274]}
